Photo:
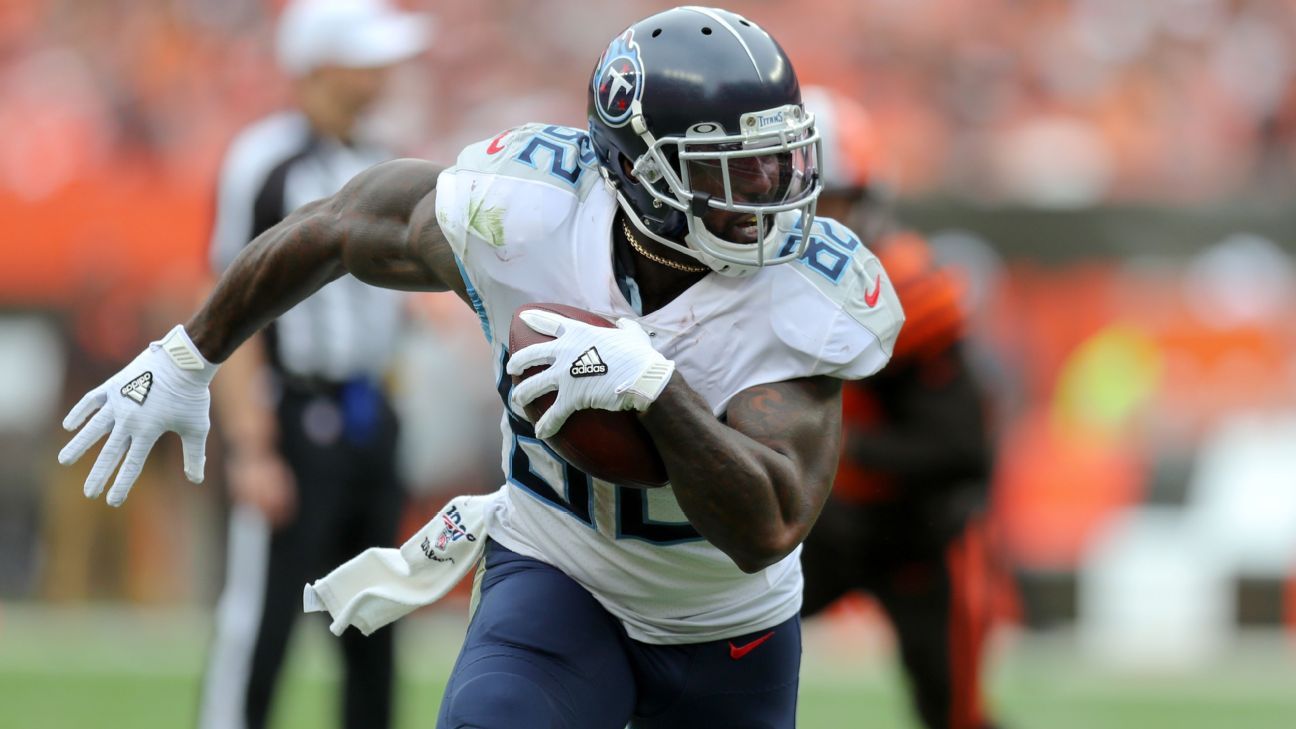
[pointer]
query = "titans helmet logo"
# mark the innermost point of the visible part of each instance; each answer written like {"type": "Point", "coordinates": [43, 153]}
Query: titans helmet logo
{"type": "Point", "coordinates": [619, 80]}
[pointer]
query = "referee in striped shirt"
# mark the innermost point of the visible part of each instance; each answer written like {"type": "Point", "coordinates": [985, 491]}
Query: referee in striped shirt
{"type": "Point", "coordinates": [310, 434]}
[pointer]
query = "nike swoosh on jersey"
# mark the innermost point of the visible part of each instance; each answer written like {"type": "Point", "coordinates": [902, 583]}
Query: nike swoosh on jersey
{"type": "Point", "coordinates": [871, 297]}
{"type": "Point", "coordinates": [738, 651]}
{"type": "Point", "coordinates": [496, 143]}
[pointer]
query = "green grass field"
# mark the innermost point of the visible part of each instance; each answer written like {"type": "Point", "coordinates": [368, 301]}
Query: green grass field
{"type": "Point", "coordinates": [138, 668]}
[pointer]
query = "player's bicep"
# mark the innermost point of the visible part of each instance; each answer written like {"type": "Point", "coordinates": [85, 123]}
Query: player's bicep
{"type": "Point", "coordinates": [390, 234]}
{"type": "Point", "coordinates": [798, 419]}
{"type": "Point", "coordinates": [431, 247]}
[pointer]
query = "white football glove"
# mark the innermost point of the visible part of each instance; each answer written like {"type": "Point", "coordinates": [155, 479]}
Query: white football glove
{"type": "Point", "coordinates": [592, 368]}
{"type": "Point", "coordinates": [165, 388]}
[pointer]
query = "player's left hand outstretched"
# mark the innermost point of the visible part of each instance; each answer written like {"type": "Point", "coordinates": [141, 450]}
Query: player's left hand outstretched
{"type": "Point", "coordinates": [164, 388]}
{"type": "Point", "coordinates": [593, 368]}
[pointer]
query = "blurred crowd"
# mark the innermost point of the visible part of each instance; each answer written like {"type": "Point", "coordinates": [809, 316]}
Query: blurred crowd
{"type": "Point", "coordinates": [1056, 102]}
{"type": "Point", "coordinates": [115, 114]}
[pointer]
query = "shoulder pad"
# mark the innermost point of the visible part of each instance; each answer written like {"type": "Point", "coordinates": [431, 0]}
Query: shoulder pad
{"type": "Point", "coordinates": [544, 153]}
{"type": "Point", "coordinates": [855, 316]}
{"type": "Point", "coordinates": [516, 188]}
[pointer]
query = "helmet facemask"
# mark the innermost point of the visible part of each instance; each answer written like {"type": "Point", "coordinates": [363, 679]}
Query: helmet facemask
{"type": "Point", "coordinates": [765, 178]}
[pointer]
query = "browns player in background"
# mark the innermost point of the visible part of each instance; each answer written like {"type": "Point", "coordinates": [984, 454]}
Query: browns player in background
{"type": "Point", "coordinates": [904, 521]}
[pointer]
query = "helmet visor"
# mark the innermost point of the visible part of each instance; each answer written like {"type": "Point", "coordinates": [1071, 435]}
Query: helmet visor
{"type": "Point", "coordinates": [758, 176]}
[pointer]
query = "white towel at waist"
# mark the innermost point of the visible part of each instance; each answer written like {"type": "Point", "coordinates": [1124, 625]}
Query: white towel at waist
{"type": "Point", "coordinates": [380, 585]}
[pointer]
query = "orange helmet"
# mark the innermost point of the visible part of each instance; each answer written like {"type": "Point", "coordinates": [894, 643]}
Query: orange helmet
{"type": "Point", "coordinates": [932, 296]}
{"type": "Point", "coordinates": [850, 147]}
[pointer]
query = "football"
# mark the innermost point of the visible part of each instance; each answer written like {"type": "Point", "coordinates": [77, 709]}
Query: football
{"type": "Point", "coordinates": [612, 446]}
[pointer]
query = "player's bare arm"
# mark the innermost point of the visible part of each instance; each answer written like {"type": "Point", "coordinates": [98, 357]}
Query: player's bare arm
{"type": "Point", "coordinates": [752, 485]}
{"type": "Point", "coordinates": [381, 228]}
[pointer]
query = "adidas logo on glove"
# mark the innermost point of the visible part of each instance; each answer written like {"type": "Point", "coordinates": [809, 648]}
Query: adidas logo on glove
{"type": "Point", "coordinates": [138, 388]}
{"type": "Point", "coordinates": [589, 364]}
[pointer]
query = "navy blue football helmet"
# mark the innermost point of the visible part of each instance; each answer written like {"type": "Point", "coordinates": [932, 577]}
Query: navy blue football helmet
{"type": "Point", "coordinates": [705, 109]}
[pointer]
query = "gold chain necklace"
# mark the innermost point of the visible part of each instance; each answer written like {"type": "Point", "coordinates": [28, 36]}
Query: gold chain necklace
{"type": "Point", "coordinates": [660, 260]}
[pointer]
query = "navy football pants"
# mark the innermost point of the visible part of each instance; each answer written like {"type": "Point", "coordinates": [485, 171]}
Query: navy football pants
{"type": "Point", "coordinates": [541, 653]}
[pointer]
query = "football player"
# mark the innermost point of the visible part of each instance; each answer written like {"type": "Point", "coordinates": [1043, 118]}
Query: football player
{"type": "Point", "coordinates": [685, 212]}
{"type": "Point", "coordinates": [903, 522]}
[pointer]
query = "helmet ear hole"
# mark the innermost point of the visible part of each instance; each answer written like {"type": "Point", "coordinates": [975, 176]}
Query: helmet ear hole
{"type": "Point", "coordinates": [627, 169]}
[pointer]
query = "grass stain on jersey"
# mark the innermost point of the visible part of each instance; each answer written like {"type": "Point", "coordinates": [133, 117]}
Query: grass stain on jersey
{"type": "Point", "coordinates": [486, 223]}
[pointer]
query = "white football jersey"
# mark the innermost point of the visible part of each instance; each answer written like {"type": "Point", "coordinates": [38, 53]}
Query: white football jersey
{"type": "Point", "coordinates": [530, 218]}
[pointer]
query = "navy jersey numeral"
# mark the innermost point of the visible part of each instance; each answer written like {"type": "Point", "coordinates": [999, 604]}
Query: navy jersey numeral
{"type": "Point", "coordinates": [828, 253]}
{"type": "Point", "coordinates": [576, 499]}
{"type": "Point", "coordinates": [633, 521]}
{"type": "Point", "coordinates": [567, 151]}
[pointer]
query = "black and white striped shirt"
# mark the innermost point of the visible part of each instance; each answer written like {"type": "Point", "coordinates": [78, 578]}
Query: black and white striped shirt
{"type": "Point", "coordinates": [347, 329]}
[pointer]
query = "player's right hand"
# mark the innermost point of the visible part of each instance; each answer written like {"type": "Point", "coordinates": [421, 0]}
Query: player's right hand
{"type": "Point", "coordinates": [164, 388]}
{"type": "Point", "coordinates": [635, 373]}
